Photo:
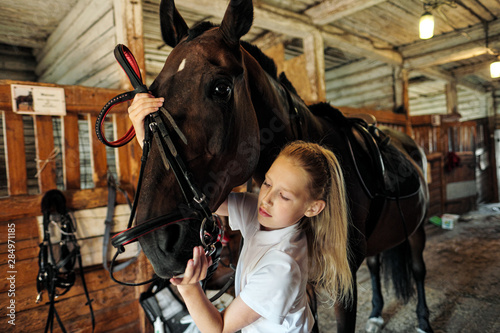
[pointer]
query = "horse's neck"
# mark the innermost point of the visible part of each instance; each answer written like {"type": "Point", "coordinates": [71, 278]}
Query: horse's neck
{"type": "Point", "coordinates": [282, 117]}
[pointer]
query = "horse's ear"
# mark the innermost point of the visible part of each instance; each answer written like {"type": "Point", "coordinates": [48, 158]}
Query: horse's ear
{"type": "Point", "coordinates": [237, 20]}
{"type": "Point", "coordinates": [173, 26]}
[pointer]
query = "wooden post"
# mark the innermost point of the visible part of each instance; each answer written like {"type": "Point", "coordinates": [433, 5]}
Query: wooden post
{"type": "Point", "coordinates": [451, 97]}
{"type": "Point", "coordinates": [16, 161]}
{"type": "Point", "coordinates": [129, 31]}
{"type": "Point", "coordinates": [71, 152]}
{"type": "Point", "coordinates": [406, 100]}
{"type": "Point", "coordinates": [315, 64]}
{"type": "Point", "coordinates": [46, 164]}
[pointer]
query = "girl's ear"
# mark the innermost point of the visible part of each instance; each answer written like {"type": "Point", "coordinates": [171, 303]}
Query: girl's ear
{"type": "Point", "coordinates": [315, 208]}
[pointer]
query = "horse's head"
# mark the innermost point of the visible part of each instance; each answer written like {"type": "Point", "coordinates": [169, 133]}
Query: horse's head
{"type": "Point", "coordinates": [204, 83]}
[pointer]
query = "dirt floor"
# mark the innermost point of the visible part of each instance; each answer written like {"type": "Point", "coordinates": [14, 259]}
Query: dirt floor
{"type": "Point", "coordinates": [462, 284]}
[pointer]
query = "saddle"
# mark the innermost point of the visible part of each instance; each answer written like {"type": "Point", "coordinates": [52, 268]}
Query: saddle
{"type": "Point", "coordinates": [383, 170]}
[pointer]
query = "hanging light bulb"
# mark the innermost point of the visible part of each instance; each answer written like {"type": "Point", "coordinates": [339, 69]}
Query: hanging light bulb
{"type": "Point", "coordinates": [426, 25]}
{"type": "Point", "coordinates": [495, 69]}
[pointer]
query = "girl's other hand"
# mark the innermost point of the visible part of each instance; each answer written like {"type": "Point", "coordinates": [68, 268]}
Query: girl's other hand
{"type": "Point", "coordinates": [142, 105]}
{"type": "Point", "coordinates": [196, 269]}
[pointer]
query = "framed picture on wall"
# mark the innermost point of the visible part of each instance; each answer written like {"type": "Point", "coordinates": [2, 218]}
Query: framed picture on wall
{"type": "Point", "coordinates": [38, 100]}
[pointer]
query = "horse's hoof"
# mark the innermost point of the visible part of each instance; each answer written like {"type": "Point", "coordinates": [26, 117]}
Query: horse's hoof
{"type": "Point", "coordinates": [374, 325]}
{"type": "Point", "coordinates": [422, 331]}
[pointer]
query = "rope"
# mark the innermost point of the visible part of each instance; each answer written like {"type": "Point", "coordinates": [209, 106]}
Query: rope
{"type": "Point", "coordinates": [52, 157]}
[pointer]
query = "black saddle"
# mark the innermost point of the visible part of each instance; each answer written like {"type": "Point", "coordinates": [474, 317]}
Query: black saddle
{"type": "Point", "coordinates": [382, 168]}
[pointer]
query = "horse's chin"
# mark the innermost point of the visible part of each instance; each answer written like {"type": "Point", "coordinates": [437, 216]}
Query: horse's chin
{"type": "Point", "coordinates": [172, 248]}
{"type": "Point", "coordinates": [169, 270]}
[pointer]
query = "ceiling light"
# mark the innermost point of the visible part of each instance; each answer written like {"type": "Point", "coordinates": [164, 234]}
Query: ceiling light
{"type": "Point", "coordinates": [426, 25]}
{"type": "Point", "coordinates": [495, 69]}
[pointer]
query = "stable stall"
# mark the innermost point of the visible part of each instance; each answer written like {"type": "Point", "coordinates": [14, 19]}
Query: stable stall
{"type": "Point", "coordinates": [362, 57]}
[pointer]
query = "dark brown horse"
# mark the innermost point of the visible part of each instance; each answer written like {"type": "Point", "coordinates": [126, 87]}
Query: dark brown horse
{"type": "Point", "coordinates": [236, 115]}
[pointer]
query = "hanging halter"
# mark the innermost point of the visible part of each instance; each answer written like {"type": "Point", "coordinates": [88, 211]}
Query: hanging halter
{"type": "Point", "coordinates": [195, 209]}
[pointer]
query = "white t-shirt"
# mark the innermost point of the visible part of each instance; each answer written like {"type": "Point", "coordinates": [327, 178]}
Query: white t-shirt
{"type": "Point", "coordinates": [271, 274]}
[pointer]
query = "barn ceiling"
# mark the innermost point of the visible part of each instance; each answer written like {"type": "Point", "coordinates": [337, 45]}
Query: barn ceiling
{"type": "Point", "coordinates": [354, 32]}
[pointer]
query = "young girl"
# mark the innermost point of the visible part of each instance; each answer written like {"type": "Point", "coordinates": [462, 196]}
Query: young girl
{"type": "Point", "coordinates": [295, 232]}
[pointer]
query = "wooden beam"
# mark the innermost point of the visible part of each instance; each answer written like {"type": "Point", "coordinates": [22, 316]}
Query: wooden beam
{"type": "Point", "coordinates": [78, 99]}
{"type": "Point", "coordinates": [438, 74]}
{"type": "Point", "coordinates": [297, 25]}
{"type": "Point", "coordinates": [328, 11]}
{"type": "Point", "coordinates": [457, 53]}
{"type": "Point", "coordinates": [315, 65]}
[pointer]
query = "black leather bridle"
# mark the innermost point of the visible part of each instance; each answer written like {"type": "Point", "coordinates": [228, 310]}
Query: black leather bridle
{"type": "Point", "coordinates": [195, 209]}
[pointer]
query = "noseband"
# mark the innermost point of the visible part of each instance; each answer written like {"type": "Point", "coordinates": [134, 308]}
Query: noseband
{"type": "Point", "coordinates": [195, 208]}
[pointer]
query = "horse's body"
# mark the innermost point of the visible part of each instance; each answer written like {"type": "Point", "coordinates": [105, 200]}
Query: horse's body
{"type": "Point", "coordinates": [236, 116]}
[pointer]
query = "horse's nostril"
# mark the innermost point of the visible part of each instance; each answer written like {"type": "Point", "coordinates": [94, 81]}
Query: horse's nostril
{"type": "Point", "coordinates": [172, 236]}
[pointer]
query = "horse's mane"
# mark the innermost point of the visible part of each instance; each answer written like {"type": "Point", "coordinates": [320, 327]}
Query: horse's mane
{"type": "Point", "coordinates": [326, 111]}
{"type": "Point", "coordinates": [267, 64]}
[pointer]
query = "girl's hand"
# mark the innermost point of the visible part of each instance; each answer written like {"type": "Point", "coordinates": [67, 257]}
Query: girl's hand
{"type": "Point", "coordinates": [142, 105]}
{"type": "Point", "coordinates": [196, 269]}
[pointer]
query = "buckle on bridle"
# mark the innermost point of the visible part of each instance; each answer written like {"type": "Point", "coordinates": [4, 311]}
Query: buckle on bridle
{"type": "Point", "coordinates": [200, 200]}
{"type": "Point", "coordinates": [210, 245]}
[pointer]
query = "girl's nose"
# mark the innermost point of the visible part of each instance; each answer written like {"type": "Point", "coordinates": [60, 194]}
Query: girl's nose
{"type": "Point", "coordinates": [267, 200]}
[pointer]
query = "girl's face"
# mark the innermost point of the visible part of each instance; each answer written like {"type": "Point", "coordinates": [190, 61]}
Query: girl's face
{"type": "Point", "coordinates": [284, 196]}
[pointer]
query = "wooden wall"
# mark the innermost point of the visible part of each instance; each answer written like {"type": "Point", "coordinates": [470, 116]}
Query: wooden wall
{"type": "Point", "coordinates": [17, 63]}
{"type": "Point", "coordinates": [80, 50]}
{"type": "Point", "coordinates": [369, 84]}
{"type": "Point", "coordinates": [116, 307]}
{"type": "Point", "coordinates": [457, 188]}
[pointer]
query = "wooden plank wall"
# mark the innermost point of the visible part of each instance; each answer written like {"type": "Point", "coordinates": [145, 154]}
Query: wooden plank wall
{"type": "Point", "coordinates": [80, 50]}
{"type": "Point", "coordinates": [116, 307]}
{"type": "Point", "coordinates": [372, 88]}
{"type": "Point", "coordinates": [17, 63]}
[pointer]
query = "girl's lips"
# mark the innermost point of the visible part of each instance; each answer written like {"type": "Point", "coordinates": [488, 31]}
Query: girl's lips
{"type": "Point", "coordinates": [263, 212]}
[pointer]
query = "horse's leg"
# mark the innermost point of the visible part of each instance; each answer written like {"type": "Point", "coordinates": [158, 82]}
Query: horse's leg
{"type": "Point", "coordinates": [346, 315]}
{"type": "Point", "coordinates": [375, 321]}
{"type": "Point", "coordinates": [417, 243]}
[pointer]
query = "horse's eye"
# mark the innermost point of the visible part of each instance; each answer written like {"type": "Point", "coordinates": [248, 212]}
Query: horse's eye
{"type": "Point", "coordinates": [222, 90]}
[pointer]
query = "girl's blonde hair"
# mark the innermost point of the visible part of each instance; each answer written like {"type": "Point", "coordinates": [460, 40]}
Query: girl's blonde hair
{"type": "Point", "coordinates": [327, 232]}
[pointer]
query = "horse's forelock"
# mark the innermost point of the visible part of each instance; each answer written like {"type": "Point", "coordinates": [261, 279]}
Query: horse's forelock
{"type": "Point", "coordinates": [199, 29]}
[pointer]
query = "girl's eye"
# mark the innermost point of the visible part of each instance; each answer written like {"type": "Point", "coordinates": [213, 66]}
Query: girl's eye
{"type": "Point", "coordinates": [283, 197]}
{"type": "Point", "coordinates": [266, 184]}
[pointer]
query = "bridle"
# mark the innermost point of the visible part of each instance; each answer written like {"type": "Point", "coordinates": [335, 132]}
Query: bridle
{"type": "Point", "coordinates": [195, 209]}
{"type": "Point", "coordinates": [57, 276]}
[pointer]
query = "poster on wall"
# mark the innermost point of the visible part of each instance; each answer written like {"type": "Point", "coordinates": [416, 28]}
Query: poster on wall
{"type": "Point", "coordinates": [38, 100]}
